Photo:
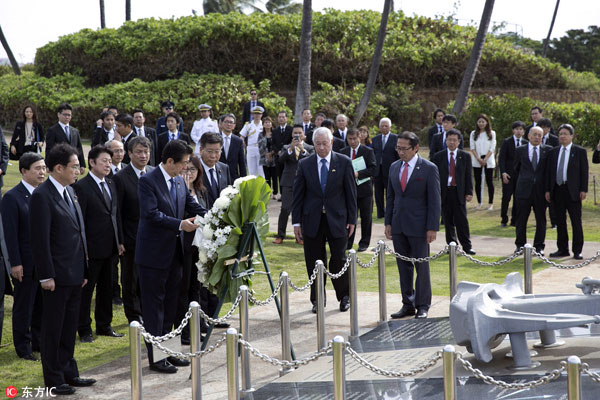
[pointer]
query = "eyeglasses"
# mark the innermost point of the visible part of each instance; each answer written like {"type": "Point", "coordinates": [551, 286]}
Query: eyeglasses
{"type": "Point", "coordinates": [404, 148]}
{"type": "Point", "coordinates": [213, 152]}
{"type": "Point", "coordinates": [191, 170]}
{"type": "Point", "coordinates": [228, 121]}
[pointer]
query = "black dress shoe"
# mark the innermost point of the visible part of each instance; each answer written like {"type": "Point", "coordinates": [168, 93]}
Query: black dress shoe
{"type": "Point", "coordinates": [361, 249]}
{"type": "Point", "coordinates": [404, 312]}
{"type": "Point", "coordinates": [470, 252]}
{"type": "Point", "coordinates": [503, 224]}
{"type": "Point", "coordinates": [560, 254]}
{"type": "Point", "coordinates": [164, 367]}
{"type": "Point", "coordinates": [421, 314]}
{"type": "Point", "coordinates": [86, 338]}
{"type": "Point", "coordinates": [178, 362]}
{"type": "Point", "coordinates": [222, 325]}
{"type": "Point", "coordinates": [81, 382]}
{"type": "Point", "coordinates": [30, 357]}
{"type": "Point", "coordinates": [203, 326]}
{"type": "Point", "coordinates": [344, 304]}
{"type": "Point", "coordinates": [540, 251]}
{"type": "Point", "coordinates": [109, 332]}
{"type": "Point", "coordinates": [63, 390]}
{"type": "Point", "coordinates": [185, 341]}
{"type": "Point", "coordinates": [578, 256]}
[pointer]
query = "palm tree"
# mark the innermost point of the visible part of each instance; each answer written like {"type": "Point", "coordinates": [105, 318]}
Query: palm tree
{"type": "Point", "coordinates": [283, 7]}
{"type": "Point", "coordinates": [473, 63]}
{"type": "Point", "coordinates": [127, 10]}
{"type": "Point", "coordinates": [304, 62]}
{"type": "Point", "coordinates": [547, 41]}
{"type": "Point", "coordinates": [227, 6]}
{"type": "Point", "coordinates": [11, 57]}
{"type": "Point", "coordinates": [374, 70]}
{"type": "Point", "coordinates": [102, 16]}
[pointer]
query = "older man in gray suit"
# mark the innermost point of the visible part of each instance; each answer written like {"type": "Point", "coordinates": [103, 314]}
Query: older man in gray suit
{"type": "Point", "coordinates": [412, 218]}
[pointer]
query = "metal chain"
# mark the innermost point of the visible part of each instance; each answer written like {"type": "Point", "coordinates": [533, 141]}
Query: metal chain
{"type": "Point", "coordinates": [269, 299]}
{"type": "Point", "coordinates": [493, 264]}
{"type": "Point", "coordinates": [312, 278]}
{"type": "Point", "coordinates": [585, 368]}
{"type": "Point", "coordinates": [553, 375]}
{"type": "Point", "coordinates": [174, 333]}
{"type": "Point", "coordinates": [182, 355]}
{"type": "Point", "coordinates": [342, 271]}
{"type": "Point", "coordinates": [225, 317]}
{"type": "Point", "coordinates": [422, 259]}
{"type": "Point", "coordinates": [394, 374]}
{"type": "Point", "coordinates": [564, 266]}
{"type": "Point", "coordinates": [371, 262]}
{"type": "Point", "coordinates": [284, 363]}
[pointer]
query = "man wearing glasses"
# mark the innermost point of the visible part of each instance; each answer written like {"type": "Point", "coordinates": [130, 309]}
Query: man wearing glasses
{"type": "Point", "coordinates": [233, 148]}
{"type": "Point", "coordinates": [246, 117]}
{"type": "Point", "coordinates": [63, 132]}
{"type": "Point", "coordinates": [167, 107]}
{"type": "Point", "coordinates": [412, 218]}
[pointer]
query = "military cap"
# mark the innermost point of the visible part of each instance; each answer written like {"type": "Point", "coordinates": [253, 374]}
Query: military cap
{"type": "Point", "coordinates": [204, 107]}
{"type": "Point", "coordinates": [258, 110]}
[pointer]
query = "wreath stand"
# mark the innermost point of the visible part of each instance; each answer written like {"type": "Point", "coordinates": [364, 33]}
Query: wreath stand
{"type": "Point", "coordinates": [249, 239]}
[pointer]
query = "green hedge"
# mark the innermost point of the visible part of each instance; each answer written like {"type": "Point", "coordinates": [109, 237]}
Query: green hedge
{"type": "Point", "coordinates": [224, 93]}
{"type": "Point", "coordinates": [504, 110]}
{"type": "Point", "coordinates": [418, 50]}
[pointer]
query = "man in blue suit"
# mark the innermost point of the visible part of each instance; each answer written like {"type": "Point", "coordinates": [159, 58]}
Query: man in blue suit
{"type": "Point", "coordinates": [324, 210]}
{"type": "Point", "coordinates": [412, 218]}
{"type": "Point", "coordinates": [164, 199]}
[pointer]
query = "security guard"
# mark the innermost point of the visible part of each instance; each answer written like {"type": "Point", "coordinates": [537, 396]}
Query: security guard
{"type": "Point", "coordinates": [203, 125]}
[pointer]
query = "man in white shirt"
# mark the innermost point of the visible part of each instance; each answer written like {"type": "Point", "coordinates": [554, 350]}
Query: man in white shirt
{"type": "Point", "coordinates": [341, 123]}
{"type": "Point", "coordinates": [204, 124]}
{"type": "Point", "coordinates": [251, 131]}
{"type": "Point", "coordinates": [116, 146]}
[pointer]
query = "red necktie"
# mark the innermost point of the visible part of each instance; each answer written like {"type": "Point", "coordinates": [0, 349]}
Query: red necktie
{"type": "Point", "coordinates": [353, 154]}
{"type": "Point", "coordinates": [404, 177]}
{"type": "Point", "coordinates": [452, 169]}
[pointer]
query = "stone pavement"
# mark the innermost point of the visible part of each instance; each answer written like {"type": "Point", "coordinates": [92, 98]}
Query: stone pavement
{"type": "Point", "coordinates": [114, 379]}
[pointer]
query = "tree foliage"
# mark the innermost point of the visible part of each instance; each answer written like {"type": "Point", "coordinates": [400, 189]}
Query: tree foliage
{"type": "Point", "coordinates": [579, 49]}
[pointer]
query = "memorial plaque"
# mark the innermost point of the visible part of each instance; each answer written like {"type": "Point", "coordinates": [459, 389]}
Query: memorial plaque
{"type": "Point", "coordinates": [405, 334]}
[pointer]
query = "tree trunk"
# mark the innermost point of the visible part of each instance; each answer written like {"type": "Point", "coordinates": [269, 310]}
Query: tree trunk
{"type": "Point", "coordinates": [473, 63]}
{"type": "Point", "coordinates": [127, 10]}
{"type": "Point", "coordinates": [102, 16]}
{"type": "Point", "coordinates": [374, 70]}
{"type": "Point", "coordinates": [11, 57]}
{"type": "Point", "coordinates": [547, 41]}
{"type": "Point", "coordinates": [304, 62]}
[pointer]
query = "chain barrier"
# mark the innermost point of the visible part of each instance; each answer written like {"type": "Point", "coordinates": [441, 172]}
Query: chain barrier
{"type": "Point", "coordinates": [181, 355]}
{"type": "Point", "coordinates": [394, 374]}
{"type": "Point", "coordinates": [269, 299]}
{"type": "Point", "coordinates": [370, 263]}
{"type": "Point", "coordinates": [225, 317]}
{"type": "Point", "coordinates": [565, 266]}
{"type": "Point", "coordinates": [422, 259]}
{"type": "Point", "coordinates": [172, 334]}
{"type": "Point", "coordinates": [585, 368]}
{"type": "Point", "coordinates": [342, 271]}
{"type": "Point", "coordinates": [284, 363]}
{"type": "Point", "coordinates": [491, 264]}
{"type": "Point", "coordinates": [312, 278]}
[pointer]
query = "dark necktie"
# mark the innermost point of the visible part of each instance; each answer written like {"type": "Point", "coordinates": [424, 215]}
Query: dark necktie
{"type": "Point", "coordinates": [142, 172]}
{"type": "Point", "coordinates": [173, 193]}
{"type": "Point", "coordinates": [534, 158]}
{"type": "Point", "coordinates": [324, 172]}
{"type": "Point", "coordinates": [116, 169]}
{"type": "Point", "coordinates": [518, 142]}
{"type": "Point", "coordinates": [561, 168]}
{"type": "Point", "coordinates": [69, 204]}
{"type": "Point", "coordinates": [67, 133]}
{"type": "Point", "coordinates": [305, 128]}
{"type": "Point", "coordinates": [105, 195]}
{"type": "Point", "coordinates": [353, 154]}
{"type": "Point", "coordinates": [452, 169]}
{"type": "Point", "coordinates": [213, 184]}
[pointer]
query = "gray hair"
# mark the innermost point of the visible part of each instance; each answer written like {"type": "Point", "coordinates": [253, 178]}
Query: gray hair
{"type": "Point", "coordinates": [323, 131]}
{"type": "Point", "coordinates": [108, 142]}
{"type": "Point", "coordinates": [341, 115]}
{"type": "Point", "coordinates": [138, 141]}
{"type": "Point", "coordinates": [537, 128]}
{"type": "Point", "coordinates": [385, 119]}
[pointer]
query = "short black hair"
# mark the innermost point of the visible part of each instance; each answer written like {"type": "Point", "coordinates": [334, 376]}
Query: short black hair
{"type": "Point", "coordinates": [138, 141]}
{"type": "Point", "coordinates": [453, 132]}
{"type": "Point", "coordinates": [351, 132]}
{"type": "Point", "coordinates": [60, 154]}
{"type": "Point", "coordinates": [222, 117]}
{"type": "Point", "coordinates": [97, 150]}
{"type": "Point", "coordinates": [517, 124]}
{"type": "Point", "coordinates": [113, 108]}
{"type": "Point", "coordinates": [412, 138]}
{"type": "Point", "coordinates": [137, 110]}
{"type": "Point", "coordinates": [64, 106]}
{"type": "Point", "coordinates": [568, 127]}
{"type": "Point", "coordinates": [105, 114]}
{"type": "Point", "coordinates": [28, 159]}
{"type": "Point", "coordinates": [328, 123]}
{"type": "Point", "coordinates": [125, 119]}
{"type": "Point", "coordinates": [282, 112]}
{"type": "Point", "coordinates": [545, 122]}
{"type": "Point", "coordinates": [320, 114]}
{"type": "Point", "coordinates": [450, 117]}
{"type": "Point", "coordinates": [176, 149]}
{"type": "Point", "coordinates": [437, 110]}
{"type": "Point", "coordinates": [537, 108]}
{"type": "Point", "coordinates": [172, 114]}
{"type": "Point", "coordinates": [298, 126]}
{"type": "Point", "coordinates": [211, 138]}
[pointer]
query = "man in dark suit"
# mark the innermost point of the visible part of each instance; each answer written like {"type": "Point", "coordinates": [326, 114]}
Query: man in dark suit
{"type": "Point", "coordinates": [596, 154]}
{"type": "Point", "coordinates": [3, 159]}
{"type": "Point", "coordinates": [530, 168]}
{"type": "Point", "coordinates": [172, 133]}
{"type": "Point", "coordinates": [364, 190]}
{"type": "Point", "coordinates": [338, 144]}
{"type": "Point", "coordinates": [324, 210]}
{"type": "Point", "coordinates": [118, 154]}
{"type": "Point", "coordinates": [247, 108]}
{"type": "Point", "coordinates": [281, 135]}
{"type": "Point", "coordinates": [307, 124]}
{"type": "Point", "coordinates": [289, 157]}
{"type": "Point", "coordinates": [141, 130]}
{"type": "Point", "coordinates": [5, 287]}
{"type": "Point", "coordinates": [98, 201]}
{"type": "Point", "coordinates": [537, 114]}
{"type": "Point", "coordinates": [506, 164]}
{"type": "Point", "coordinates": [412, 218]}
{"type": "Point", "coordinates": [58, 244]}
{"type": "Point", "coordinates": [164, 198]}
{"type": "Point", "coordinates": [439, 139]}
{"type": "Point", "coordinates": [341, 124]}
{"type": "Point", "coordinates": [167, 108]}
{"type": "Point", "coordinates": [233, 148]}
{"type": "Point", "coordinates": [126, 132]}
{"type": "Point", "coordinates": [438, 114]}
{"type": "Point", "coordinates": [126, 181]}
{"type": "Point", "coordinates": [384, 147]}
{"type": "Point", "coordinates": [27, 307]}
{"type": "Point", "coordinates": [566, 187]}
{"type": "Point", "coordinates": [106, 132]}
{"type": "Point", "coordinates": [549, 138]}
{"type": "Point", "coordinates": [62, 132]}
{"type": "Point", "coordinates": [456, 185]}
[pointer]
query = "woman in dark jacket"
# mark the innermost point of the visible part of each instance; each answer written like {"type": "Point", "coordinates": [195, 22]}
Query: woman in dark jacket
{"type": "Point", "coordinates": [28, 134]}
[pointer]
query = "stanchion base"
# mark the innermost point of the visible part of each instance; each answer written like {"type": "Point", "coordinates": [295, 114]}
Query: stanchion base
{"type": "Point", "coordinates": [532, 353]}
{"type": "Point", "coordinates": [382, 322]}
{"type": "Point", "coordinates": [247, 390]}
{"type": "Point", "coordinates": [534, 364]}
{"type": "Point", "coordinates": [541, 345]}
{"type": "Point", "coordinates": [284, 371]}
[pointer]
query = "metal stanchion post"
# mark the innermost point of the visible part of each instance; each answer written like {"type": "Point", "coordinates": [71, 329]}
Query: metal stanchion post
{"type": "Point", "coordinates": [195, 345]}
{"type": "Point", "coordinates": [286, 341]}
{"type": "Point", "coordinates": [452, 265]}
{"type": "Point", "coordinates": [381, 268]}
{"type": "Point", "coordinates": [339, 368]}
{"type": "Point", "coordinates": [449, 360]}
{"type": "Point", "coordinates": [527, 260]}
{"type": "Point", "coordinates": [574, 377]}
{"type": "Point", "coordinates": [135, 354]}
{"type": "Point", "coordinates": [353, 295]}
{"type": "Point", "coordinates": [320, 305]}
{"type": "Point", "coordinates": [245, 353]}
{"type": "Point", "coordinates": [233, 392]}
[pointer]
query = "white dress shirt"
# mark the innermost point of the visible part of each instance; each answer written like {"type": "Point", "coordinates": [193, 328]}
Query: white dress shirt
{"type": "Point", "coordinates": [411, 168]}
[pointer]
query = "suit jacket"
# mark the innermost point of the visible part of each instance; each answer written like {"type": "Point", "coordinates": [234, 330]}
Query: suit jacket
{"type": "Point", "coordinates": [161, 126]}
{"type": "Point", "coordinates": [18, 138]}
{"type": "Point", "coordinates": [529, 180]}
{"type": "Point", "coordinates": [57, 237]}
{"type": "Point", "coordinates": [308, 133]}
{"type": "Point", "coordinates": [337, 134]}
{"type": "Point", "coordinates": [163, 139]}
{"type": "Point", "coordinates": [224, 178]}
{"type": "Point", "coordinates": [430, 134]}
{"type": "Point", "coordinates": [126, 159]}
{"type": "Point", "coordinates": [338, 144]}
{"type": "Point", "coordinates": [289, 163]}
{"type": "Point", "coordinates": [338, 201]}
{"type": "Point", "coordinates": [365, 189]}
{"type": "Point", "coordinates": [101, 225]}
{"type": "Point", "coordinates": [281, 137]}
{"type": "Point", "coordinates": [577, 171]}
{"type": "Point", "coordinates": [384, 157]}
{"type": "Point", "coordinates": [3, 157]}
{"type": "Point", "coordinates": [5, 264]}
{"type": "Point", "coordinates": [551, 140]}
{"type": "Point", "coordinates": [158, 230]}
{"type": "Point", "coordinates": [246, 117]}
{"type": "Point", "coordinates": [55, 134]}
{"type": "Point", "coordinates": [438, 145]}
{"type": "Point", "coordinates": [596, 157]}
{"type": "Point", "coordinates": [527, 129]}
{"type": "Point", "coordinates": [100, 136]}
{"type": "Point", "coordinates": [506, 158]}
{"type": "Point", "coordinates": [15, 218]}
{"type": "Point", "coordinates": [235, 157]}
{"type": "Point", "coordinates": [462, 175]}
{"type": "Point", "coordinates": [150, 134]}
{"type": "Point", "coordinates": [416, 210]}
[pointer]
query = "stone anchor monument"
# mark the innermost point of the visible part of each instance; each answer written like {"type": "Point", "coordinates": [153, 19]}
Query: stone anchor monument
{"type": "Point", "coordinates": [481, 315]}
